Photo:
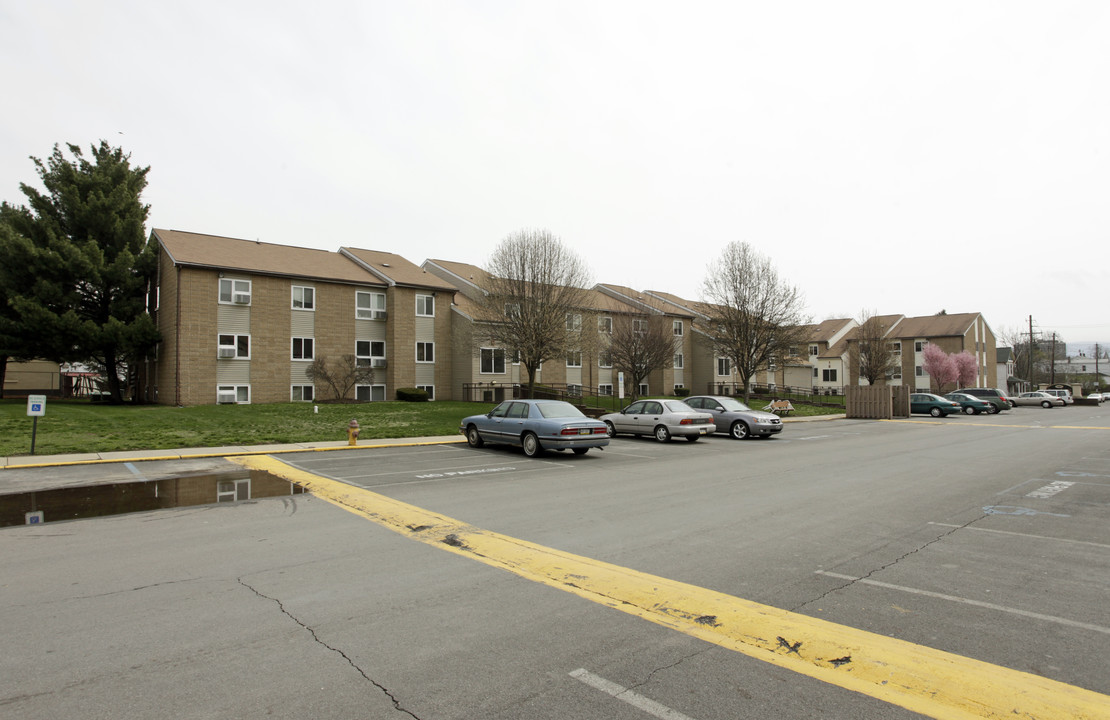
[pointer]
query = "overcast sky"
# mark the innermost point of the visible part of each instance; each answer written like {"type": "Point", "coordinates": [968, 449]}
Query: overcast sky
{"type": "Point", "coordinates": [893, 157]}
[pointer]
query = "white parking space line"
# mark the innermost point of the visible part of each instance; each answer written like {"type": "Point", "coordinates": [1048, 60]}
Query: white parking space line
{"type": "Point", "coordinates": [625, 695]}
{"type": "Point", "coordinates": [968, 601]}
{"type": "Point", "coordinates": [1025, 535]}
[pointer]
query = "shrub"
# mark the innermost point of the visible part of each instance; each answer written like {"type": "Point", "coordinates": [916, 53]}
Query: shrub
{"type": "Point", "coordinates": [681, 392]}
{"type": "Point", "coordinates": [412, 395]}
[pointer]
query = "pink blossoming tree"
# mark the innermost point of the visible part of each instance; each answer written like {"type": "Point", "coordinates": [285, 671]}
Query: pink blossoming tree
{"type": "Point", "coordinates": [940, 366]}
{"type": "Point", "coordinates": [967, 369]}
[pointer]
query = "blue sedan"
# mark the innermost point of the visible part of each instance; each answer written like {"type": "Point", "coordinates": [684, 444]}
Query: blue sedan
{"type": "Point", "coordinates": [536, 425]}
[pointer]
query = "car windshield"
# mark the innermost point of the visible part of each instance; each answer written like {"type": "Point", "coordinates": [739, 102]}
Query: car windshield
{"type": "Point", "coordinates": [678, 406]}
{"type": "Point", "coordinates": [733, 404]}
{"type": "Point", "coordinates": [559, 410]}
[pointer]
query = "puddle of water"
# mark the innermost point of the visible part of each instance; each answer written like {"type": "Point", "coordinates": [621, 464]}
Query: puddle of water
{"type": "Point", "coordinates": [74, 503]}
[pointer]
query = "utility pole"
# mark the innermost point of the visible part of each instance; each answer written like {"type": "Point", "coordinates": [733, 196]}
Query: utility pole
{"type": "Point", "coordinates": [1052, 373]}
{"type": "Point", "coordinates": [1032, 385]}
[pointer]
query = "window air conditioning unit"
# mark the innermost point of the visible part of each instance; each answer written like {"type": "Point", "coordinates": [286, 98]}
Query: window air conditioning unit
{"type": "Point", "coordinates": [225, 397]}
{"type": "Point", "coordinates": [226, 352]}
{"type": "Point", "coordinates": [379, 314]}
{"type": "Point", "coordinates": [242, 298]}
{"type": "Point", "coordinates": [377, 362]}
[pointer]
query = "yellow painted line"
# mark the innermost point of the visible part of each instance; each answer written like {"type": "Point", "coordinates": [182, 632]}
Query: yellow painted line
{"type": "Point", "coordinates": [927, 681]}
{"type": "Point", "coordinates": [201, 456]}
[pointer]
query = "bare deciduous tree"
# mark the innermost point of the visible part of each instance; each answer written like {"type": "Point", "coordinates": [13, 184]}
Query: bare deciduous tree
{"type": "Point", "coordinates": [755, 316]}
{"type": "Point", "coordinates": [535, 282]}
{"type": "Point", "coordinates": [871, 352]}
{"type": "Point", "coordinates": [341, 376]}
{"type": "Point", "coordinates": [639, 346]}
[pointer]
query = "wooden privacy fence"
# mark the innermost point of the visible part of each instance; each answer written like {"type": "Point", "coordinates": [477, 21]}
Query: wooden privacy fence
{"type": "Point", "coordinates": [877, 402]}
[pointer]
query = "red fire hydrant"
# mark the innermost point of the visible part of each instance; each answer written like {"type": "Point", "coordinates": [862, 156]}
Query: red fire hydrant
{"type": "Point", "coordinates": [352, 432]}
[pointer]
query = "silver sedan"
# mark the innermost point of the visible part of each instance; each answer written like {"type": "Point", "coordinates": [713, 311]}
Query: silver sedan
{"type": "Point", "coordinates": [1039, 398]}
{"type": "Point", "coordinates": [735, 418]}
{"type": "Point", "coordinates": [660, 418]}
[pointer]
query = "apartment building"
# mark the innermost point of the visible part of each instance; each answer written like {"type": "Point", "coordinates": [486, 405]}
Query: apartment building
{"type": "Point", "coordinates": [242, 321]}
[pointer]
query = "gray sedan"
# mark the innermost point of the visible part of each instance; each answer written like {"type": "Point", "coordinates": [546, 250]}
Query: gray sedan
{"type": "Point", "coordinates": [735, 418]}
{"type": "Point", "coordinates": [1039, 398]}
{"type": "Point", "coordinates": [660, 418]}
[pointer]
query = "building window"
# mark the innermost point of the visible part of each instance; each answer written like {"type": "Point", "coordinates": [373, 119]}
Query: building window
{"type": "Point", "coordinates": [724, 367]}
{"type": "Point", "coordinates": [236, 292]}
{"type": "Point", "coordinates": [304, 298]}
{"type": "Point", "coordinates": [425, 306]}
{"type": "Point", "coordinates": [425, 352]}
{"type": "Point", "coordinates": [236, 347]}
{"type": "Point", "coordinates": [232, 394]}
{"type": "Point", "coordinates": [369, 305]}
{"type": "Point", "coordinates": [512, 309]}
{"type": "Point", "coordinates": [574, 390]}
{"type": "Point", "coordinates": [828, 375]}
{"type": "Point", "coordinates": [919, 371]}
{"type": "Point", "coordinates": [302, 348]}
{"type": "Point", "coordinates": [574, 358]}
{"type": "Point", "coordinates": [918, 345]}
{"type": "Point", "coordinates": [302, 393]}
{"type": "Point", "coordinates": [678, 360]}
{"type": "Point", "coordinates": [643, 389]}
{"type": "Point", "coordinates": [233, 490]}
{"type": "Point", "coordinates": [677, 325]}
{"type": "Point", "coordinates": [492, 361]}
{"type": "Point", "coordinates": [895, 347]}
{"type": "Point", "coordinates": [605, 389]}
{"type": "Point", "coordinates": [574, 321]}
{"type": "Point", "coordinates": [605, 359]}
{"type": "Point", "coordinates": [370, 393]}
{"type": "Point", "coordinates": [813, 350]}
{"type": "Point", "coordinates": [370, 352]}
{"type": "Point", "coordinates": [430, 389]}
{"type": "Point", "coordinates": [639, 326]}
{"type": "Point", "coordinates": [605, 325]}
{"type": "Point", "coordinates": [679, 386]}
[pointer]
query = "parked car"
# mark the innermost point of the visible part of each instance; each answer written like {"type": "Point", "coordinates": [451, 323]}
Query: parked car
{"type": "Point", "coordinates": [1062, 394]}
{"type": "Point", "coordinates": [536, 425]}
{"type": "Point", "coordinates": [971, 404]}
{"type": "Point", "coordinates": [1039, 398]}
{"type": "Point", "coordinates": [735, 418]}
{"type": "Point", "coordinates": [1097, 397]}
{"type": "Point", "coordinates": [661, 418]}
{"type": "Point", "coordinates": [997, 398]}
{"type": "Point", "coordinates": [932, 404]}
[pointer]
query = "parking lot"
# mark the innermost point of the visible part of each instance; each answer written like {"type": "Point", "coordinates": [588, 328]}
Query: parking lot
{"type": "Point", "coordinates": [985, 538]}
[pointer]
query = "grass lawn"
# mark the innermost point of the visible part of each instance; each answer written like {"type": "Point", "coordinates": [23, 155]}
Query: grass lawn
{"type": "Point", "coordinates": [78, 426]}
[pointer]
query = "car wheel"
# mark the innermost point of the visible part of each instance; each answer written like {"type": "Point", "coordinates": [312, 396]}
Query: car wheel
{"type": "Point", "coordinates": [531, 444]}
{"type": "Point", "coordinates": [970, 410]}
{"type": "Point", "coordinates": [693, 438]}
{"type": "Point", "coordinates": [609, 429]}
{"type": "Point", "coordinates": [473, 437]}
{"type": "Point", "coordinates": [662, 434]}
{"type": "Point", "coordinates": [936, 412]}
{"type": "Point", "coordinates": [1046, 404]}
{"type": "Point", "coordinates": [580, 451]}
{"type": "Point", "coordinates": [994, 409]}
{"type": "Point", "coordinates": [739, 430]}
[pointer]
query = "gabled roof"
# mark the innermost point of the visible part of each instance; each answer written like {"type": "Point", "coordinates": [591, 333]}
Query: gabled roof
{"type": "Point", "coordinates": [826, 330]}
{"type": "Point", "coordinates": [682, 305]}
{"type": "Point", "coordinates": [394, 269]}
{"type": "Point", "coordinates": [464, 275]}
{"type": "Point", "coordinates": [935, 326]}
{"type": "Point", "coordinates": [252, 256]}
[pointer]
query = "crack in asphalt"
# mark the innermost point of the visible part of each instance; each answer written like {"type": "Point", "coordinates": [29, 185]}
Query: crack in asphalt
{"type": "Point", "coordinates": [849, 583]}
{"type": "Point", "coordinates": [385, 691]}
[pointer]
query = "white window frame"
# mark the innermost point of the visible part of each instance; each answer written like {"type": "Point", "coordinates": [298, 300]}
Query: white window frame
{"type": "Point", "coordinates": [307, 299]}
{"type": "Point", "coordinates": [230, 287]}
{"type": "Point", "coordinates": [725, 364]}
{"type": "Point", "coordinates": [829, 375]}
{"type": "Point", "coordinates": [242, 393]}
{"type": "Point", "coordinates": [369, 311]}
{"type": "Point", "coordinates": [639, 325]}
{"type": "Point", "coordinates": [427, 350]}
{"type": "Point", "coordinates": [679, 361]}
{"type": "Point", "coordinates": [679, 386]}
{"type": "Point", "coordinates": [605, 358]}
{"type": "Point", "coordinates": [512, 309]}
{"type": "Point", "coordinates": [814, 351]}
{"type": "Point", "coordinates": [425, 306]}
{"type": "Point", "coordinates": [493, 356]}
{"type": "Point", "coordinates": [234, 345]}
{"type": "Point", "coordinates": [235, 490]}
{"type": "Point", "coordinates": [307, 348]}
{"type": "Point", "coordinates": [644, 389]}
{"type": "Point", "coordinates": [370, 393]}
{"type": "Point", "coordinates": [919, 345]}
{"type": "Point", "coordinates": [368, 358]}
{"type": "Point", "coordinates": [574, 359]}
{"type": "Point", "coordinates": [574, 322]}
{"type": "Point", "coordinates": [605, 389]}
{"type": "Point", "coordinates": [430, 389]}
{"type": "Point", "coordinates": [605, 324]}
{"type": "Point", "coordinates": [677, 328]}
{"type": "Point", "coordinates": [297, 393]}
